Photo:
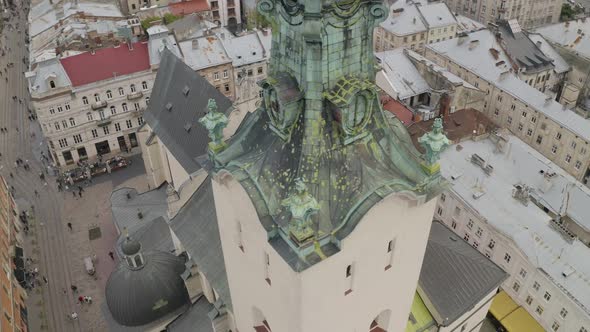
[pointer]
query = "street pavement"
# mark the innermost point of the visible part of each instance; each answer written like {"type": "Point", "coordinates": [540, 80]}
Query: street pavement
{"type": "Point", "coordinates": [57, 252]}
{"type": "Point", "coordinates": [50, 308]}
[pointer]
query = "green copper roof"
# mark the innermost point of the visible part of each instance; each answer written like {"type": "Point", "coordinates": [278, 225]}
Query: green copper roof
{"type": "Point", "coordinates": [321, 122]}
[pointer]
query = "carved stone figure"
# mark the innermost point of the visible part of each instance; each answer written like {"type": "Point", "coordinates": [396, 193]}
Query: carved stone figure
{"type": "Point", "coordinates": [434, 142]}
{"type": "Point", "coordinates": [302, 206]}
{"type": "Point", "coordinates": [214, 122]}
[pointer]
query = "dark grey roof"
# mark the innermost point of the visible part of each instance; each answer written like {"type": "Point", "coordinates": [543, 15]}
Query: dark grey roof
{"type": "Point", "coordinates": [196, 227]}
{"type": "Point", "coordinates": [194, 319]}
{"type": "Point", "coordinates": [130, 246]}
{"type": "Point", "coordinates": [178, 128]}
{"type": "Point", "coordinates": [139, 297]}
{"type": "Point", "coordinates": [522, 50]}
{"type": "Point", "coordinates": [454, 275]}
{"type": "Point", "coordinates": [152, 204]}
{"type": "Point", "coordinates": [154, 235]}
{"type": "Point", "coordinates": [113, 326]}
{"type": "Point", "coordinates": [152, 229]}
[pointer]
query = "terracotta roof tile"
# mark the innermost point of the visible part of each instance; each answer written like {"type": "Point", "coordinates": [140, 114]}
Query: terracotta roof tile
{"type": "Point", "coordinates": [86, 68]}
{"type": "Point", "coordinates": [188, 7]}
{"type": "Point", "coordinates": [398, 109]}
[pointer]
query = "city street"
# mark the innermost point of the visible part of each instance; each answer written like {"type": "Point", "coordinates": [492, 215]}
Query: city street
{"type": "Point", "coordinates": [48, 310]}
{"type": "Point", "coordinates": [55, 250]}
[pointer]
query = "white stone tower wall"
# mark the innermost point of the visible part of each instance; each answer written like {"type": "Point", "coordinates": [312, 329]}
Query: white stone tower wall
{"type": "Point", "coordinates": [315, 300]}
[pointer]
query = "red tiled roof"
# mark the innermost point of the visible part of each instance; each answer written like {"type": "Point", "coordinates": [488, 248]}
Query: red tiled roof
{"type": "Point", "coordinates": [105, 63]}
{"type": "Point", "coordinates": [398, 109]}
{"type": "Point", "coordinates": [188, 7]}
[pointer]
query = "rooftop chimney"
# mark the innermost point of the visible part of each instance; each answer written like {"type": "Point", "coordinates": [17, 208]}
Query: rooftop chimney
{"type": "Point", "coordinates": [539, 43]}
{"type": "Point", "coordinates": [504, 74]}
{"type": "Point", "coordinates": [473, 44]}
{"type": "Point", "coordinates": [195, 44]}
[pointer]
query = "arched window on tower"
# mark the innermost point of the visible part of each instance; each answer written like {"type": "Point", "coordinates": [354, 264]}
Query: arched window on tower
{"type": "Point", "coordinates": [381, 322]}
{"type": "Point", "coordinates": [260, 322]}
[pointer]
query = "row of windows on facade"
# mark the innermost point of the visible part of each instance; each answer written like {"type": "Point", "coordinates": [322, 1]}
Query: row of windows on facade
{"type": "Point", "coordinates": [109, 93]}
{"type": "Point", "coordinates": [423, 35]}
{"type": "Point", "coordinates": [85, 101]}
{"type": "Point", "coordinates": [349, 268]}
{"type": "Point", "coordinates": [249, 72]}
{"type": "Point", "coordinates": [63, 142]}
{"type": "Point", "coordinates": [539, 79]}
{"type": "Point", "coordinates": [573, 145]}
{"type": "Point", "coordinates": [533, 119]}
{"type": "Point", "coordinates": [102, 115]}
{"type": "Point", "coordinates": [507, 258]}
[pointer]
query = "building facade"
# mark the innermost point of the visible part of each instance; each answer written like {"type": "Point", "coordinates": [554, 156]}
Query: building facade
{"type": "Point", "coordinates": [226, 12]}
{"type": "Point", "coordinates": [413, 24]}
{"type": "Point", "coordinates": [208, 56]}
{"type": "Point", "coordinates": [12, 298]}
{"type": "Point", "coordinates": [90, 115]}
{"type": "Point", "coordinates": [559, 134]}
{"type": "Point", "coordinates": [529, 13]}
{"type": "Point", "coordinates": [285, 277]}
{"type": "Point", "coordinates": [545, 276]}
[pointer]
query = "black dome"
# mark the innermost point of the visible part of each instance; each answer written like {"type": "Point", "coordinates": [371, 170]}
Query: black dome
{"type": "Point", "coordinates": [139, 297]}
{"type": "Point", "coordinates": [130, 247]}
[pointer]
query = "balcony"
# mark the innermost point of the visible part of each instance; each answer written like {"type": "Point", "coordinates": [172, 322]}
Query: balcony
{"type": "Point", "coordinates": [103, 122]}
{"type": "Point", "coordinates": [99, 104]}
{"type": "Point", "coordinates": [135, 95]}
{"type": "Point", "coordinates": [138, 110]}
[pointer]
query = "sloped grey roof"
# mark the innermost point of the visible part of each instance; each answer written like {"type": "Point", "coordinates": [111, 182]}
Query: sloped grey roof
{"type": "Point", "coordinates": [196, 228]}
{"type": "Point", "coordinates": [152, 204]}
{"type": "Point", "coordinates": [116, 327]}
{"type": "Point", "coordinates": [140, 296]}
{"type": "Point", "coordinates": [130, 246]}
{"type": "Point", "coordinates": [454, 275]}
{"type": "Point", "coordinates": [155, 235]}
{"type": "Point", "coordinates": [179, 129]}
{"type": "Point", "coordinates": [522, 50]}
{"type": "Point", "coordinates": [194, 319]}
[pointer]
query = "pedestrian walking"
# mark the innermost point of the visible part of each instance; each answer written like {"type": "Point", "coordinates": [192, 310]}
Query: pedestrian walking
{"type": "Point", "coordinates": [45, 279]}
{"type": "Point", "coordinates": [74, 194]}
{"type": "Point", "coordinates": [70, 226]}
{"type": "Point", "coordinates": [74, 288]}
{"type": "Point", "coordinates": [111, 255]}
{"type": "Point", "coordinates": [80, 194]}
{"type": "Point", "coordinates": [36, 193]}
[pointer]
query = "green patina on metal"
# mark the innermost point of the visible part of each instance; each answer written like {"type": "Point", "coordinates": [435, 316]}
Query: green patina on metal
{"type": "Point", "coordinates": [302, 206]}
{"type": "Point", "coordinates": [321, 122]}
{"type": "Point", "coordinates": [215, 122]}
{"type": "Point", "coordinates": [434, 142]}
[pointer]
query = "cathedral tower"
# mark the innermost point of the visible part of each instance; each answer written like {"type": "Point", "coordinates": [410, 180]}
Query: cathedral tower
{"type": "Point", "coordinates": [324, 205]}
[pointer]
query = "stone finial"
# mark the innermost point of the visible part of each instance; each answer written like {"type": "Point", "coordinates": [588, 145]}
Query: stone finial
{"type": "Point", "coordinates": [302, 206]}
{"type": "Point", "coordinates": [434, 142]}
{"type": "Point", "coordinates": [214, 122]}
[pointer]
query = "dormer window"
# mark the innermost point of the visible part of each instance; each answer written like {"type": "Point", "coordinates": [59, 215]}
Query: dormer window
{"type": "Point", "coordinates": [52, 84]}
